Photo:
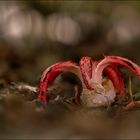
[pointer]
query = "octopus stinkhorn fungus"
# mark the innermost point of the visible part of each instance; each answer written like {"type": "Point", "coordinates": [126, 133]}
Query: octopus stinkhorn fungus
{"type": "Point", "coordinates": [98, 90]}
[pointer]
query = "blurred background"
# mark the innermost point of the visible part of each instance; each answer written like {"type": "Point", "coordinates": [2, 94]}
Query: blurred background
{"type": "Point", "coordinates": [37, 33]}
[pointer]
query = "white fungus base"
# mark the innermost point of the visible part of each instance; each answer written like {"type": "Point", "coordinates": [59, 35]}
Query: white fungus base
{"type": "Point", "coordinates": [99, 97]}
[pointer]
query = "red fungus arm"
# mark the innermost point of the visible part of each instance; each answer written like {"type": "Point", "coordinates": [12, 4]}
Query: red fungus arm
{"type": "Point", "coordinates": [86, 70]}
{"type": "Point", "coordinates": [116, 77]}
{"type": "Point", "coordinates": [118, 61]}
{"type": "Point", "coordinates": [51, 73]}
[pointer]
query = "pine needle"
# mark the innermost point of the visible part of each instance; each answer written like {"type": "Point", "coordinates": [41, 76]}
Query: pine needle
{"type": "Point", "coordinates": [130, 88]}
